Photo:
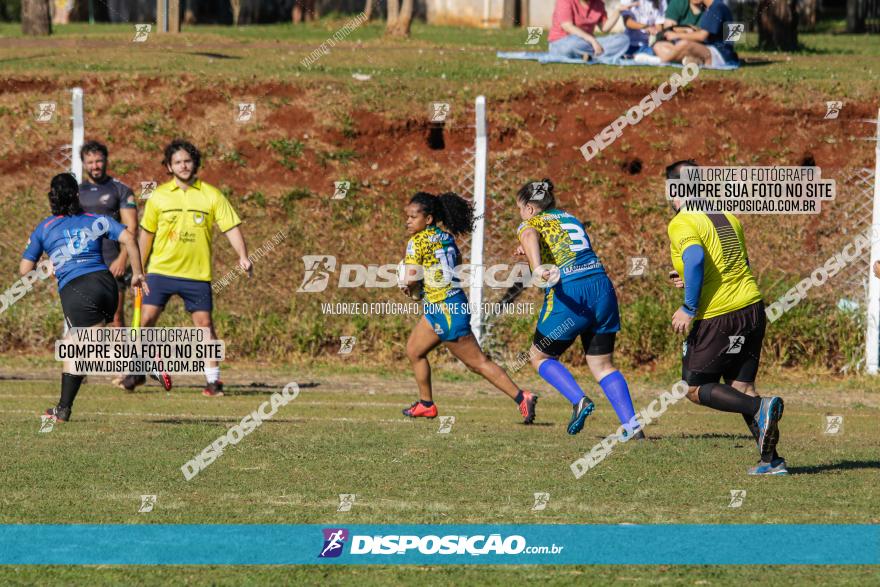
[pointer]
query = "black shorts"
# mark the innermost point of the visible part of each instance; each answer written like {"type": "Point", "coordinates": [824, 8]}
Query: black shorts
{"type": "Point", "coordinates": [90, 299]}
{"type": "Point", "coordinates": [593, 343]}
{"type": "Point", "coordinates": [726, 346]}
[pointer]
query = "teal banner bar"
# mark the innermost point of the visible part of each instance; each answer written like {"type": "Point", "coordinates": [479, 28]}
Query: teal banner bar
{"type": "Point", "coordinates": [746, 544]}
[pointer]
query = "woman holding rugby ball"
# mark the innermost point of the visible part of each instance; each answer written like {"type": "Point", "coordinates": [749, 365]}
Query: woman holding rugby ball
{"type": "Point", "coordinates": [579, 301]}
{"type": "Point", "coordinates": [431, 258]}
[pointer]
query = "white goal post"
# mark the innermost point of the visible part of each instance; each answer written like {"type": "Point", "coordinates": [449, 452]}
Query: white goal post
{"type": "Point", "coordinates": [481, 152]}
{"type": "Point", "coordinates": [872, 336]}
{"type": "Point", "coordinates": [78, 134]}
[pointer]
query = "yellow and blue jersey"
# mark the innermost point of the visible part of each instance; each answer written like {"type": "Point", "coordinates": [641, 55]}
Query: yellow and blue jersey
{"type": "Point", "coordinates": [564, 243]}
{"type": "Point", "coordinates": [445, 304]}
{"type": "Point", "coordinates": [437, 254]}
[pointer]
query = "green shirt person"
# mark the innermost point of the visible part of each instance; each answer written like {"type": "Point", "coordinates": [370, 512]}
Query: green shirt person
{"type": "Point", "coordinates": [683, 12]}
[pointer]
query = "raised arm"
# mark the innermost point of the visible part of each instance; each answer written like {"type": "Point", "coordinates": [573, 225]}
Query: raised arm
{"type": "Point", "coordinates": [611, 18]}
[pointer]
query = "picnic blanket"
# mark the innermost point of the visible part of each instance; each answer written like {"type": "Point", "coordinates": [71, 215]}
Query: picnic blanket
{"type": "Point", "coordinates": [545, 57]}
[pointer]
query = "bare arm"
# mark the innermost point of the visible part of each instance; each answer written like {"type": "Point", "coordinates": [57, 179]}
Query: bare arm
{"type": "Point", "coordinates": [699, 36]}
{"type": "Point", "coordinates": [236, 239]}
{"type": "Point", "coordinates": [137, 271]}
{"type": "Point", "coordinates": [145, 244]}
{"type": "Point", "coordinates": [531, 247]}
{"type": "Point", "coordinates": [128, 217]}
{"type": "Point", "coordinates": [26, 266]}
{"type": "Point", "coordinates": [611, 18]}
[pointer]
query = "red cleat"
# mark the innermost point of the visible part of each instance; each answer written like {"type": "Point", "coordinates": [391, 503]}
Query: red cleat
{"type": "Point", "coordinates": [417, 410]}
{"type": "Point", "coordinates": [213, 389]}
{"type": "Point", "coordinates": [527, 407]}
{"type": "Point", "coordinates": [164, 379]}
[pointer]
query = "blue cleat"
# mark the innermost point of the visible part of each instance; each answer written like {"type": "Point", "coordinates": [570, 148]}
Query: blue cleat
{"type": "Point", "coordinates": [766, 419]}
{"type": "Point", "coordinates": [775, 467]}
{"type": "Point", "coordinates": [579, 415]}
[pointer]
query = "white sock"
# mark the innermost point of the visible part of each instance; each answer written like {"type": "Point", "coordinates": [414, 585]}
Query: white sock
{"type": "Point", "coordinates": [212, 374]}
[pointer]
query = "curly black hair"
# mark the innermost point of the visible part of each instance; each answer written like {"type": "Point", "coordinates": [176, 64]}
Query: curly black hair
{"type": "Point", "coordinates": [93, 147]}
{"type": "Point", "coordinates": [456, 213]}
{"type": "Point", "coordinates": [537, 193]}
{"type": "Point", "coordinates": [182, 145]}
{"type": "Point", "coordinates": [64, 195]}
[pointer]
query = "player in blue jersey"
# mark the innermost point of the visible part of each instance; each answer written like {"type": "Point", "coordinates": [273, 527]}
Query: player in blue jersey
{"type": "Point", "coordinates": [431, 259]}
{"type": "Point", "coordinates": [579, 301]}
{"type": "Point", "coordinates": [73, 241]}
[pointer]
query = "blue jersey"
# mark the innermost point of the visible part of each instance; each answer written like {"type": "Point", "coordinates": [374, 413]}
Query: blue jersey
{"type": "Point", "coordinates": [73, 244]}
{"type": "Point", "coordinates": [564, 243]}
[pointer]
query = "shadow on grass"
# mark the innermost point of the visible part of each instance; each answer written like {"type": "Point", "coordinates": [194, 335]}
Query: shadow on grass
{"type": "Point", "coordinates": [840, 466]}
{"type": "Point", "coordinates": [711, 436]}
{"type": "Point", "coordinates": [756, 62]}
{"type": "Point", "coordinates": [40, 56]}
{"type": "Point", "coordinates": [213, 55]}
{"type": "Point", "coordinates": [256, 388]}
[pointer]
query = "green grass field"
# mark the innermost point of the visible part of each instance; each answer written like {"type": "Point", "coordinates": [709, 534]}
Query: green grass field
{"type": "Point", "coordinates": [344, 434]}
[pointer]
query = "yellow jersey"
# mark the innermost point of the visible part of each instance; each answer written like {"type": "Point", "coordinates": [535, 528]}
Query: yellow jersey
{"type": "Point", "coordinates": [183, 223]}
{"type": "Point", "coordinates": [728, 283]}
{"type": "Point", "coordinates": [436, 252]}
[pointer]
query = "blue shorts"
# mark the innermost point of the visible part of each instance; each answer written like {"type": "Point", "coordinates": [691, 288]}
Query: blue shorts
{"type": "Point", "coordinates": [450, 319]}
{"type": "Point", "coordinates": [585, 307]}
{"type": "Point", "coordinates": [197, 295]}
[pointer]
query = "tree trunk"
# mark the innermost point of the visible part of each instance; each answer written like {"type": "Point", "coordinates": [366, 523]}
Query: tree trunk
{"type": "Point", "coordinates": [36, 17]}
{"type": "Point", "coordinates": [855, 16]}
{"type": "Point", "coordinates": [236, 11]}
{"type": "Point", "coordinates": [402, 24]}
{"type": "Point", "coordinates": [809, 9]}
{"type": "Point", "coordinates": [777, 25]}
{"type": "Point", "coordinates": [393, 12]}
{"type": "Point", "coordinates": [368, 10]}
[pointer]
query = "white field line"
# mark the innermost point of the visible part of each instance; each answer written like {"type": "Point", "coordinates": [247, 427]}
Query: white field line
{"type": "Point", "coordinates": [196, 417]}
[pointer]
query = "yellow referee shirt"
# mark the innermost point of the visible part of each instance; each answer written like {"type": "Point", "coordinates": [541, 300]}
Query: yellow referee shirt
{"type": "Point", "coordinates": [728, 284]}
{"type": "Point", "coordinates": [182, 222]}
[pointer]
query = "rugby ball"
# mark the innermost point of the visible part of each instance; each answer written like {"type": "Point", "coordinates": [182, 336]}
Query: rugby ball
{"type": "Point", "coordinates": [415, 290]}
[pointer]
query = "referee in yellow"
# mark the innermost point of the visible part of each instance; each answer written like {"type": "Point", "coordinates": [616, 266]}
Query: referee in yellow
{"type": "Point", "coordinates": [176, 235]}
{"type": "Point", "coordinates": [724, 311]}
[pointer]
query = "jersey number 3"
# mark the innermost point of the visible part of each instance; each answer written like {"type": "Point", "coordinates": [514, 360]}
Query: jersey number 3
{"type": "Point", "coordinates": [579, 239]}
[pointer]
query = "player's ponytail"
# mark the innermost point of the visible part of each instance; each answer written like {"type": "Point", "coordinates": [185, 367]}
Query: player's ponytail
{"type": "Point", "coordinates": [538, 194]}
{"type": "Point", "coordinates": [458, 213]}
{"type": "Point", "coordinates": [64, 195]}
{"type": "Point", "coordinates": [454, 212]}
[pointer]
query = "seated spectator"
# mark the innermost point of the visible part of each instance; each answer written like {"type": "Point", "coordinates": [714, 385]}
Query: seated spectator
{"type": "Point", "coordinates": [683, 12]}
{"type": "Point", "coordinates": [642, 21]}
{"type": "Point", "coordinates": [572, 32]}
{"type": "Point", "coordinates": [704, 46]}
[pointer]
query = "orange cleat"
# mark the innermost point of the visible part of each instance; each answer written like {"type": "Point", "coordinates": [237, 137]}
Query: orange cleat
{"type": "Point", "coordinates": [417, 410]}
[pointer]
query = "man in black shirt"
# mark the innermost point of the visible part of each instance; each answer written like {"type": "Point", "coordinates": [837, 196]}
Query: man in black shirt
{"type": "Point", "coordinates": [101, 194]}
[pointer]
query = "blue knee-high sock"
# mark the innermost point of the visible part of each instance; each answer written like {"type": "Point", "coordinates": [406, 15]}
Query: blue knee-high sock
{"type": "Point", "coordinates": [558, 376]}
{"type": "Point", "coordinates": [616, 390]}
